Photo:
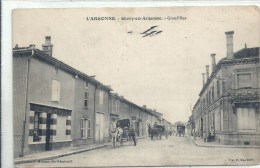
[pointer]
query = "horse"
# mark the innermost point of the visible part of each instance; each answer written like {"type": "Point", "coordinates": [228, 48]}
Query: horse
{"type": "Point", "coordinates": [157, 132]}
{"type": "Point", "coordinates": [116, 135]}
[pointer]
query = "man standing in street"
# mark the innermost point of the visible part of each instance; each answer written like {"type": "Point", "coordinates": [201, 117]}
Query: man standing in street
{"type": "Point", "coordinates": [132, 134]}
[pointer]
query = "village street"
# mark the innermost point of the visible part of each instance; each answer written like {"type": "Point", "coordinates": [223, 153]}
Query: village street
{"type": "Point", "coordinates": [165, 152]}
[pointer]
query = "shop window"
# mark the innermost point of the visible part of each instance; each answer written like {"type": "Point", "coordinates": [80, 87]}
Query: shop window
{"type": "Point", "coordinates": [246, 119]}
{"type": "Point", "coordinates": [61, 127]}
{"type": "Point", "coordinates": [36, 127]}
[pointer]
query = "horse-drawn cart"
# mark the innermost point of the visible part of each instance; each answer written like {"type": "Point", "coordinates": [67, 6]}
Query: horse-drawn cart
{"type": "Point", "coordinates": [123, 133]}
{"type": "Point", "coordinates": [180, 129]}
{"type": "Point", "coordinates": [158, 131]}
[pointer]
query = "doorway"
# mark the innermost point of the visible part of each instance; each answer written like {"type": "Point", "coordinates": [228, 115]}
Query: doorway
{"type": "Point", "coordinates": [99, 129]}
{"type": "Point", "coordinates": [137, 128]}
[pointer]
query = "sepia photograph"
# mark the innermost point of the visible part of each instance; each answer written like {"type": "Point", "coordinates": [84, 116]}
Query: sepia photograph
{"type": "Point", "coordinates": [136, 86]}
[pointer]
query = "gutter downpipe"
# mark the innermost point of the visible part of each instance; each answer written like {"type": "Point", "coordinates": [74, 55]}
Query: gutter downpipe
{"type": "Point", "coordinates": [95, 114]}
{"type": "Point", "coordinates": [26, 103]}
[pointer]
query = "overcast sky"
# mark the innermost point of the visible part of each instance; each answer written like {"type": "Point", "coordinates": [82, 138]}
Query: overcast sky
{"type": "Point", "coordinates": [161, 71]}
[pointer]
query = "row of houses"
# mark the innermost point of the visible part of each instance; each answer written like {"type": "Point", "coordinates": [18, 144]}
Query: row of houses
{"type": "Point", "coordinates": [55, 105]}
{"type": "Point", "coordinates": [228, 105]}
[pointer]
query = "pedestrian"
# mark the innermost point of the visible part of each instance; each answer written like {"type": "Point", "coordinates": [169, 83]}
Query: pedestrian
{"type": "Point", "coordinates": [132, 134]}
{"type": "Point", "coordinates": [154, 125]}
{"type": "Point", "coordinates": [149, 130]}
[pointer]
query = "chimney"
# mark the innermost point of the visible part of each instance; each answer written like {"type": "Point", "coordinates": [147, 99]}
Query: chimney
{"type": "Point", "coordinates": [203, 78]}
{"type": "Point", "coordinates": [207, 72]}
{"type": "Point", "coordinates": [31, 46]}
{"type": "Point", "coordinates": [229, 36]}
{"type": "Point", "coordinates": [109, 86]}
{"type": "Point", "coordinates": [47, 47]}
{"type": "Point", "coordinates": [144, 106]}
{"type": "Point", "coordinates": [213, 59]}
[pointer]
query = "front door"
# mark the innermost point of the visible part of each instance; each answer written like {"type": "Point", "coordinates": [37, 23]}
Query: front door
{"type": "Point", "coordinates": [99, 133]}
{"type": "Point", "coordinates": [137, 128]}
{"type": "Point", "coordinates": [48, 132]}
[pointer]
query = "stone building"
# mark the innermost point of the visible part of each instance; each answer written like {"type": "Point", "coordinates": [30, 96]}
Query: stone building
{"type": "Point", "coordinates": [228, 104]}
{"type": "Point", "coordinates": [55, 105]}
{"type": "Point", "coordinates": [140, 117]}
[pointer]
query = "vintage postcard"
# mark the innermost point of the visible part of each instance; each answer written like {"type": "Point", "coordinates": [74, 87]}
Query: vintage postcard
{"type": "Point", "coordinates": [140, 86]}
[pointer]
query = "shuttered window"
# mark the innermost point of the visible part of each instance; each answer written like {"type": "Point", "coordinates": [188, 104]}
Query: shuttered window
{"type": "Point", "coordinates": [85, 128]}
{"type": "Point", "coordinates": [55, 96]}
{"type": "Point", "coordinates": [101, 95]}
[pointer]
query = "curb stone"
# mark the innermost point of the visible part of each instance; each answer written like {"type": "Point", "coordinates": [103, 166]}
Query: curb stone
{"type": "Point", "coordinates": [220, 146]}
{"type": "Point", "coordinates": [57, 155]}
{"type": "Point", "coordinates": [61, 154]}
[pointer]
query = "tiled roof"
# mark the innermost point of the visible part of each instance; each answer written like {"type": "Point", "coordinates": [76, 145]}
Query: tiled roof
{"type": "Point", "coordinates": [40, 54]}
{"type": "Point", "coordinates": [247, 53]}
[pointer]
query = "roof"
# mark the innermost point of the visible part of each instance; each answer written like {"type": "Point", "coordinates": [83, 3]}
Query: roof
{"type": "Point", "coordinates": [45, 57]}
{"type": "Point", "coordinates": [245, 54]}
{"type": "Point", "coordinates": [133, 104]}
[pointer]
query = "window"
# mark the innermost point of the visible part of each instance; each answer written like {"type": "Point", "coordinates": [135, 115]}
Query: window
{"type": "Point", "coordinates": [86, 99]}
{"type": "Point", "coordinates": [100, 97]}
{"type": "Point", "coordinates": [244, 80]}
{"type": "Point", "coordinates": [114, 106]}
{"type": "Point", "coordinates": [246, 119]}
{"type": "Point", "coordinates": [117, 106]}
{"type": "Point", "coordinates": [85, 128]}
{"type": "Point", "coordinates": [218, 89]}
{"type": "Point", "coordinates": [88, 129]}
{"type": "Point", "coordinates": [86, 84]}
{"type": "Point", "coordinates": [56, 70]}
{"type": "Point", "coordinates": [209, 100]}
{"type": "Point", "coordinates": [212, 91]}
{"type": "Point", "coordinates": [55, 90]}
{"type": "Point", "coordinates": [36, 127]}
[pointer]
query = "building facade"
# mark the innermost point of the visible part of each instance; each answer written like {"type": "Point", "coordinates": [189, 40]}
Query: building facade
{"type": "Point", "coordinates": [55, 105]}
{"type": "Point", "coordinates": [139, 117]}
{"type": "Point", "coordinates": [228, 104]}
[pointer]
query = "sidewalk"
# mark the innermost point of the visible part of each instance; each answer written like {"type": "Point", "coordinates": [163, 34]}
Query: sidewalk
{"type": "Point", "coordinates": [45, 155]}
{"type": "Point", "coordinates": [58, 153]}
{"type": "Point", "coordinates": [199, 142]}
